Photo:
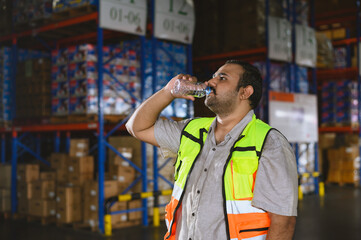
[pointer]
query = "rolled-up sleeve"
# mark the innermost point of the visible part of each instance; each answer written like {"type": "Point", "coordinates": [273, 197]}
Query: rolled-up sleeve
{"type": "Point", "coordinates": [276, 187]}
{"type": "Point", "coordinates": [168, 133]}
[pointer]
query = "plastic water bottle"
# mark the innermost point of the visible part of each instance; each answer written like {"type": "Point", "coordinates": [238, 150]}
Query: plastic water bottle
{"type": "Point", "coordinates": [187, 88]}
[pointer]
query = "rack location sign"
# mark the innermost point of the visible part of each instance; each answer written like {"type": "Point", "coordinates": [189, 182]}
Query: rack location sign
{"type": "Point", "coordinates": [279, 39]}
{"type": "Point", "coordinates": [295, 115]}
{"type": "Point", "coordinates": [124, 15]}
{"type": "Point", "coordinates": [306, 46]}
{"type": "Point", "coordinates": [174, 20]}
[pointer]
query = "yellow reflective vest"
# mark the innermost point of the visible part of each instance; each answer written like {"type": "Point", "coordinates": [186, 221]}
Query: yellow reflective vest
{"type": "Point", "coordinates": [243, 221]}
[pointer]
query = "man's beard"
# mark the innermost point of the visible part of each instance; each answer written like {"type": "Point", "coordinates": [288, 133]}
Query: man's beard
{"type": "Point", "coordinates": [221, 105]}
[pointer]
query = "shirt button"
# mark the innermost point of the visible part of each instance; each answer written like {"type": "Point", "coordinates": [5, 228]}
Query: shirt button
{"type": "Point", "coordinates": [198, 192]}
{"type": "Point", "coordinates": [213, 149]}
{"type": "Point", "coordinates": [193, 214]}
{"type": "Point", "coordinates": [205, 169]}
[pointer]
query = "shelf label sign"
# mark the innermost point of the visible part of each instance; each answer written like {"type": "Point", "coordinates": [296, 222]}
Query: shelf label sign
{"type": "Point", "coordinates": [174, 20]}
{"type": "Point", "coordinates": [295, 115]}
{"type": "Point", "coordinates": [279, 39]}
{"type": "Point", "coordinates": [128, 16]}
{"type": "Point", "coordinates": [306, 46]}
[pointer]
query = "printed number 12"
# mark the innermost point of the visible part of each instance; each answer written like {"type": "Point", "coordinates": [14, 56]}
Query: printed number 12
{"type": "Point", "coordinates": [181, 10]}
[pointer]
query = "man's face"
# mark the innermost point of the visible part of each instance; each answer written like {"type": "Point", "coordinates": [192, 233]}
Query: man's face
{"type": "Point", "coordinates": [224, 95]}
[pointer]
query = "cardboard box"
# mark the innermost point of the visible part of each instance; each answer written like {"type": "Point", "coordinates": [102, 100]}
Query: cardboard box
{"type": "Point", "coordinates": [350, 153]}
{"type": "Point", "coordinates": [48, 176]}
{"type": "Point", "coordinates": [334, 176]}
{"type": "Point", "coordinates": [23, 205]}
{"type": "Point", "coordinates": [117, 160]}
{"type": "Point", "coordinates": [69, 214]}
{"type": "Point", "coordinates": [79, 147]}
{"type": "Point", "coordinates": [42, 208]}
{"type": "Point", "coordinates": [350, 176]}
{"type": "Point", "coordinates": [78, 179]}
{"type": "Point", "coordinates": [327, 140]}
{"type": "Point", "coordinates": [5, 176]}
{"type": "Point", "coordinates": [91, 214]}
{"type": "Point", "coordinates": [90, 194]}
{"type": "Point", "coordinates": [4, 192]}
{"type": "Point", "coordinates": [58, 160]}
{"type": "Point", "coordinates": [81, 164]}
{"type": "Point", "coordinates": [127, 142]}
{"type": "Point", "coordinates": [69, 204]}
{"type": "Point", "coordinates": [122, 174]}
{"type": "Point", "coordinates": [28, 172]}
{"type": "Point", "coordinates": [5, 204]}
{"type": "Point", "coordinates": [133, 205]}
{"type": "Point", "coordinates": [111, 188]}
{"type": "Point", "coordinates": [68, 196]}
{"type": "Point", "coordinates": [61, 175]}
{"type": "Point", "coordinates": [43, 189]}
{"type": "Point", "coordinates": [25, 190]}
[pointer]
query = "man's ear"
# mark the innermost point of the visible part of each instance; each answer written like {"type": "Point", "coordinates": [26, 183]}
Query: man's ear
{"type": "Point", "coordinates": [247, 92]}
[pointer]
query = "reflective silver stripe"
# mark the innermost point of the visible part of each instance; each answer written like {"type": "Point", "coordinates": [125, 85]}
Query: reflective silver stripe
{"type": "Point", "coordinates": [261, 237]}
{"type": "Point", "coordinates": [234, 238]}
{"type": "Point", "coordinates": [167, 223]}
{"type": "Point", "coordinates": [177, 192]}
{"type": "Point", "coordinates": [239, 207]}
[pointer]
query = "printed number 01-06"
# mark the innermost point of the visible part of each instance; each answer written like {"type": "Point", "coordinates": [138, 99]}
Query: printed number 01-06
{"type": "Point", "coordinates": [133, 18]}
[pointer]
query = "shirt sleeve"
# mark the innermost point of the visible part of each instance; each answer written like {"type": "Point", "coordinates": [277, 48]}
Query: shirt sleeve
{"type": "Point", "coordinates": [168, 133]}
{"type": "Point", "coordinates": [276, 186]}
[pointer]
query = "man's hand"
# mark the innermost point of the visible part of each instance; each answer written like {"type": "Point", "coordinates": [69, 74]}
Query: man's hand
{"type": "Point", "coordinates": [171, 83]}
{"type": "Point", "coordinates": [141, 123]}
{"type": "Point", "coordinates": [282, 227]}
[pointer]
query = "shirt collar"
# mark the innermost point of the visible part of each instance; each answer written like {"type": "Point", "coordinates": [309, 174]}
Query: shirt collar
{"type": "Point", "coordinates": [236, 130]}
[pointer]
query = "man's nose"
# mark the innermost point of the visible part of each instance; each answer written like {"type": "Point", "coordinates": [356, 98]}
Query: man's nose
{"type": "Point", "coordinates": [212, 82]}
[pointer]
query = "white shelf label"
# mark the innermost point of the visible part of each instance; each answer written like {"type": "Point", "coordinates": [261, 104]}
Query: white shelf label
{"type": "Point", "coordinates": [295, 115]}
{"type": "Point", "coordinates": [174, 20]}
{"type": "Point", "coordinates": [124, 15]}
{"type": "Point", "coordinates": [306, 46]}
{"type": "Point", "coordinates": [279, 39]}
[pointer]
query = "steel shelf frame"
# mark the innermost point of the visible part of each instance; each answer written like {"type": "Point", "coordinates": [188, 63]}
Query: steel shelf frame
{"type": "Point", "coordinates": [102, 131]}
{"type": "Point", "coordinates": [99, 127]}
{"type": "Point", "coordinates": [263, 53]}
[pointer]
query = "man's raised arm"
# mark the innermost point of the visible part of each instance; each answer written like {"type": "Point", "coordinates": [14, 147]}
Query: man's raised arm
{"type": "Point", "coordinates": [141, 123]}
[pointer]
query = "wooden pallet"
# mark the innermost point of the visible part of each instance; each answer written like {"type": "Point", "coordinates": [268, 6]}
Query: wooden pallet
{"type": "Point", "coordinates": [85, 226]}
{"type": "Point", "coordinates": [5, 215]}
{"type": "Point", "coordinates": [127, 224]}
{"type": "Point", "coordinates": [73, 12]}
{"type": "Point", "coordinates": [42, 220]}
{"type": "Point", "coordinates": [342, 184]}
{"type": "Point", "coordinates": [59, 119]}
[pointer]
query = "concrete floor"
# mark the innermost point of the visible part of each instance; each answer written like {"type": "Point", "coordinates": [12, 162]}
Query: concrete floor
{"type": "Point", "coordinates": [337, 216]}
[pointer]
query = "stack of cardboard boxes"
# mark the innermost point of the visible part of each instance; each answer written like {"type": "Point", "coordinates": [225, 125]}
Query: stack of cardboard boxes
{"type": "Point", "coordinates": [5, 186]}
{"type": "Point", "coordinates": [42, 202]}
{"type": "Point", "coordinates": [33, 89]}
{"type": "Point", "coordinates": [69, 192]}
{"type": "Point", "coordinates": [343, 158]}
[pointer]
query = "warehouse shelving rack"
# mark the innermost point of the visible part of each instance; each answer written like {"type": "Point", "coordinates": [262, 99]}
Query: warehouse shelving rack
{"type": "Point", "coordinates": [63, 33]}
{"type": "Point", "coordinates": [261, 53]}
{"type": "Point", "coordinates": [350, 16]}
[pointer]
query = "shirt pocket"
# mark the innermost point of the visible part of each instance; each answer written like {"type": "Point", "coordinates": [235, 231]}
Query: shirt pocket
{"type": "Point", "coordinates": [242, 179]}
{"type": "Point", "coordinates": [253, 225]}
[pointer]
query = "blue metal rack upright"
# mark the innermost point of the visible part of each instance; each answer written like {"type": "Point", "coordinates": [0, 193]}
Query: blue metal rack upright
{"type": "Point", "coordinates": [358, 26]}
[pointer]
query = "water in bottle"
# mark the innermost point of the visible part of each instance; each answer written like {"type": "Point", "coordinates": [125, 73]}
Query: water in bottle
{"type": "Point", "coordinates": [188, 88]}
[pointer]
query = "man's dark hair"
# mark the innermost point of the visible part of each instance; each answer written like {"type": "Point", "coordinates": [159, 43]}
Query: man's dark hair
{"type": "Point", "coordinates": [251, 76]}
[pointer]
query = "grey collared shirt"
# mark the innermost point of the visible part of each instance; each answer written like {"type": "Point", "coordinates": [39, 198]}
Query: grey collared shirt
{"type": "Point", "coordinates": [202, 215]}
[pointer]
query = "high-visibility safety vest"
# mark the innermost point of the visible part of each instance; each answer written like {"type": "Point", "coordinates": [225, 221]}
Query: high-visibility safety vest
{"type": "Point", "coordinates": [243, 221]}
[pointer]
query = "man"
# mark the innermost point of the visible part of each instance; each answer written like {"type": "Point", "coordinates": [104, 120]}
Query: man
{"type": "Point", "coordinates": [235, 177]}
